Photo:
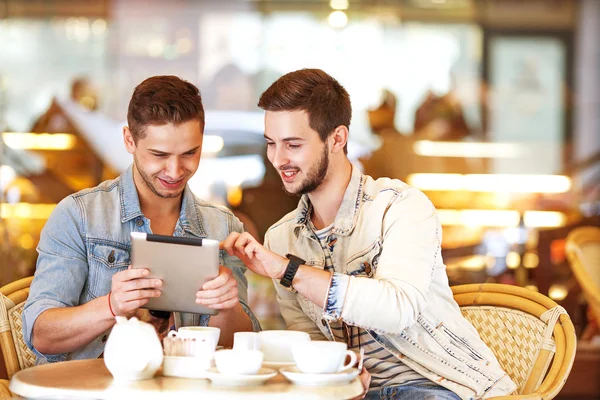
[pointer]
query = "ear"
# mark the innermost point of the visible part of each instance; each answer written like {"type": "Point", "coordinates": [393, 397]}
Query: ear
{"type": "Point", "coordinates": [338, 139]}
{"type": "Point", "coordinates": [128, 139]}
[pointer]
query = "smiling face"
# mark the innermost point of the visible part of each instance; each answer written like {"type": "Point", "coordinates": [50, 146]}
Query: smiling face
{"type": "Point", "coordinates": [296, 151]}
{"type": "Point", "coordinates": [166, 157]}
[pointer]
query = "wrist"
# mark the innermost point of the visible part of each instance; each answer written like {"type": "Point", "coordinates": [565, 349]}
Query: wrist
{"type": "Point", "coordinates": [282, 268]}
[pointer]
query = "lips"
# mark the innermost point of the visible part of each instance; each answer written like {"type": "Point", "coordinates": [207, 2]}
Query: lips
{"type": "Point", "coordinates": [289, 175]}
{"type": "Point", "coordinates": [168, 184]}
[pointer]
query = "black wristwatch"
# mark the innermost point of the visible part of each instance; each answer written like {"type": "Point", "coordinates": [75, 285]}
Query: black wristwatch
{"type": "Point", "coordinates": [290, 271]}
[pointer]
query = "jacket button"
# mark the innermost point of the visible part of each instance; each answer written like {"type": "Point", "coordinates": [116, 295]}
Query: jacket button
{"type": "Point", "coordinates": [139, 222]}
{"type": "Point", "coordinates": [323, 322]}
{"type": "Point", "coordinates": [111, 257]}
{"type": "Point", "coordinates": [367, 268]}
{"type": "Point", "coordinates": [104, 338]}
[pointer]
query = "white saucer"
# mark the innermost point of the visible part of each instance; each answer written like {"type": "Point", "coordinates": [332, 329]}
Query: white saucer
{"type": "Point", "coordinates": [304, 379]}
{"type": "Point", "coordinates": [261, 377]}
{"type": "Point", "coordinates": [278, 364]}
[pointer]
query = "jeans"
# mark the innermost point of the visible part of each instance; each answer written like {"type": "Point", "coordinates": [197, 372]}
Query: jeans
{"type": "Point", "coordinates": [411, 392]}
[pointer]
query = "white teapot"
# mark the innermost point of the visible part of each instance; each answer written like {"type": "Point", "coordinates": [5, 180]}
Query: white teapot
{"type": "Point", "coordinates": [133, 350]}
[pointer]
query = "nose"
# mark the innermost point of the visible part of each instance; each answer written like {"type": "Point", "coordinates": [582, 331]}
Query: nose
{"type": "Point", "coordinates": [278, 157]}
{"type": "Point", "coordinates": [174, 168]}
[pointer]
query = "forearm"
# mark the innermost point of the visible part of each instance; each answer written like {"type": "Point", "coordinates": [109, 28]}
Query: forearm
{"type": "Point", "coordinates": [312, 283]}
{"type": "Point", "coordinates": [63, 330]}
{"type": "Point", "coordinates": [231, 321]}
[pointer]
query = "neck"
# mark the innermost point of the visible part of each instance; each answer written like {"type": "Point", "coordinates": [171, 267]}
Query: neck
{"type": "Point", "coordinates": [328, 197]}
{"type": "Point", "coordinates": [151, 204]}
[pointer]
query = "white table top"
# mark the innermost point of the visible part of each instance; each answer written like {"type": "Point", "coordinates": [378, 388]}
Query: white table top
{"type": "Point", "coordinates": [85, 379]}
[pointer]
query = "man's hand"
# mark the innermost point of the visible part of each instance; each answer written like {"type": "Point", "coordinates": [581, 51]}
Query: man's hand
{"type": "Point", "coordinates": [254, 255]}
{"type": "Point", "coordinates": [131, 289]}
{"type": "Point", "coordinates": [221, 293]}
{"type": "Point", "coordinates": [365, 379]}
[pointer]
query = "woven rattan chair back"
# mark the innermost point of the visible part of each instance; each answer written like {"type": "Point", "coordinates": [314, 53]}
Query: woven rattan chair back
{"type": "Point", "coordinates": [530, 335]}
{"type": "Point", "coordinates": [16, 354]}
{"type": "Point", "coordinates": [583, 252]}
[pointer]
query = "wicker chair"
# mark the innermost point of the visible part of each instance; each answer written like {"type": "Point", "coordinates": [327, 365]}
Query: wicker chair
{"type": "Point", "coordinates": [16, 354]}
{"type": "Point", "coordinates": [525, 330]}
{"type": "Point", "coordinates": [583, 252]}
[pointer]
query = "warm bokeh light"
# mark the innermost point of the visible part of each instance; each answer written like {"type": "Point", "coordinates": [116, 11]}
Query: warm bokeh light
{"type": "Point", "coordinates": [430, 148]}
{"type": "Point", "coordinates": [337, 19]}
{"type": "Point", "coordinates": [234, 196]}
{"type": "Point", "coordinates": [212, 144]}
{"type": "Point", "coordinates": [541, 219]}
{"type": "Point", "coordinates": [513, 259]}
{"type": "Point", "coordinates": [39, 141]}
{"type": "Point", "coordinates": [530, 260]}
{"type": "Point", "coordinates": [473, 263]}
{"type": "Point", "coordinates": [558, 292]}
{"type": "Point", "coordinates": [26, 241]}
{"type": "Point", "coordinates": [492, 183]}
{"type": "Point", "coordinates": [339, 4]}
{"type": "Point", "coordinates": [26, 210]}
{"type": "Point", "coordinates": [501, 218]}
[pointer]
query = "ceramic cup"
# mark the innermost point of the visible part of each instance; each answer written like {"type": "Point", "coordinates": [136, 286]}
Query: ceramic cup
{"type": "Point", "coordinates": [199, 333]}
{"type": "Point", "coordinates": [238, 362]}
{"type": "Point", "coordinates": [277, 345]}
{"type": "Point", "coordinates": [322, 357]}
{"type": "Point", "coordinates": [245, 341]}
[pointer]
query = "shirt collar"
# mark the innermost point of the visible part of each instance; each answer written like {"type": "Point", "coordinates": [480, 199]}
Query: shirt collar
{"type": "Point", "coordinates": [347, 215]}
{"type": "Point", "coordinates": [189, 217]}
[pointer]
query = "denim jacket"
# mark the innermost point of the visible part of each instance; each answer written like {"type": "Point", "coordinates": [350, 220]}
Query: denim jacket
{"type": "Point", "coordinates": [86, 241]}
{"type": "Point", "coordinates": [390, 280]}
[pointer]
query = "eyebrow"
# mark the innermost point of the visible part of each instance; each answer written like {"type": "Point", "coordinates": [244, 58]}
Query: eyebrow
{"type": "Point", "coordinates": [164, 152]}
{"type": "Point", "coordinates": [288, 139]}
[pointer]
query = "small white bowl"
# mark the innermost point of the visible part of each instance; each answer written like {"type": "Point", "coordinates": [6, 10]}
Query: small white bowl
{"type": "Point", "coordinates": [186, 367]}
{"type": "Point", "coordinates": [238, 362]}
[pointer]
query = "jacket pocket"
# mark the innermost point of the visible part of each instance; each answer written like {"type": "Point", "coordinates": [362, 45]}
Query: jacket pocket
{"type": "Point", "coordinates": [462, 344]}
{"type": "Point", "coordinates": [105, 258]}
{"type": "Point", "coordinates": [456, 347]}
{"type": "Point", "coordinates": [364, 262]}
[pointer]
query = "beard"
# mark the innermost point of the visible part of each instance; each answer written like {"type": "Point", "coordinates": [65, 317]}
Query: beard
{"type": "Point", "coordinates": [315, 176]}
{"type": "Point", "coordinates": [148, 182]}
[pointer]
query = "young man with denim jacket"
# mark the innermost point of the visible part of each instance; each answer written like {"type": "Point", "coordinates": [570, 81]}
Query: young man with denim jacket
{"type": "Point", "coordinates": [359, 260]}
{"type": "Point", "coordinates": [83, 276]}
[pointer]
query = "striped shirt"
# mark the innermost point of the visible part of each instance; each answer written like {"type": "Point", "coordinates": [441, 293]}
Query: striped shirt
{"type": "Point", "coordinates": [385, 368]}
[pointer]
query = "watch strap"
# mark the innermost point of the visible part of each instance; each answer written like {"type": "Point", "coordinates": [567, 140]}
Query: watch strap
{"type": "Point", "coordinates": [291, 269]}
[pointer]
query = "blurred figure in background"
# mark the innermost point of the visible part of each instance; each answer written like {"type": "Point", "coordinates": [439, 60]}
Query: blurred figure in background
{"type": "Point", "coordinates": [395, 158]}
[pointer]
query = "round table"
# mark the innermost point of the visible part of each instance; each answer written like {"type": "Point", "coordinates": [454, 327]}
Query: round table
{"type": "Point", "coordinates": [89, 379]}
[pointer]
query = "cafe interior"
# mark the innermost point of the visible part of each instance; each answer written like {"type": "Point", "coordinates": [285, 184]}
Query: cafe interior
{"type": "Point", "coordinates": [490, 107]}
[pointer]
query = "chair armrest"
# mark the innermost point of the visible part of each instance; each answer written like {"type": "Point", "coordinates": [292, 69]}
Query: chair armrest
{"type": "Point", "coordinates": [531, 396]}
{"type": "Point", "coordinates": [5, 394]}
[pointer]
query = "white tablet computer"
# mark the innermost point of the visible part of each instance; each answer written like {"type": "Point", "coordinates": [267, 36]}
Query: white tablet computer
{"type": "Point", "coordinates": [183, 264]}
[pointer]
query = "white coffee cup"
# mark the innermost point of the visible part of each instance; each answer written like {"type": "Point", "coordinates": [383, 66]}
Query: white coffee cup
{"type": "Point", "coordinates": [208, 333]}
{"type": "Point", "coordinates": [322, 357]}
{"type": "Point", "coordinates": [238, 362]}
{"type": "Point", "coordinates": [277, 345]}
{"type": "Point", "coordinates": [245, 341]}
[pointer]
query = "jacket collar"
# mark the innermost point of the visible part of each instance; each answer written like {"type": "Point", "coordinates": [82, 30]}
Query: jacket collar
{"type": "Point", "coordinates": [347, 215]}
{"type": "Point", "coordinates": [189, 217]}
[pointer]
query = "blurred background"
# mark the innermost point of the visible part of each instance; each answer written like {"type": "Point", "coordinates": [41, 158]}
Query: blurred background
{"type": "Point", "coordinates": [491, 107]}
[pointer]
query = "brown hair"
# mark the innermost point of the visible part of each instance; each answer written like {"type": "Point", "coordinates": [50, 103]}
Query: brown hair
{"type": "Point", "coordinates": [312, 90]}
{"type": "Point", "coordinates": [160, 100]}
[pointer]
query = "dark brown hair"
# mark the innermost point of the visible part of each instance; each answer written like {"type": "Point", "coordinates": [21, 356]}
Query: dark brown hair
{"type": "Point", "coordinates": [325, 101]}
{"type": "Point", "coordinates": [160, 100]}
